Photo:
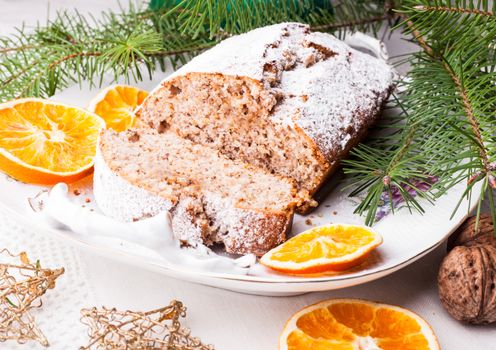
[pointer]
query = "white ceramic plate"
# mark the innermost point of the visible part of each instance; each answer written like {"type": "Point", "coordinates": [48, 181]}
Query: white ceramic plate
{"type": "Point", "coordinates": [407, 237]}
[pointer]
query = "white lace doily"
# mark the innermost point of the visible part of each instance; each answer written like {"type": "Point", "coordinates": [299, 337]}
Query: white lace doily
{"type": "Point", "coordinates": [59, 318]}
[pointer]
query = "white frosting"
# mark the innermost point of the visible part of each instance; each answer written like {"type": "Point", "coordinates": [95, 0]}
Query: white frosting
{"type": "Point", "coordinates": [154, 233]}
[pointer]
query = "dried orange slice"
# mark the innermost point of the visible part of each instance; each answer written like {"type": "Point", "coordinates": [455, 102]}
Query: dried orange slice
{"type": "Point", "coordinates": [351, 324]}
{"type": "Point", "coordinates": [45, 142]}
{"type": "Point", "coordinates": [116, 105]}
{"type": "Point", "coordinates": [332, 247]}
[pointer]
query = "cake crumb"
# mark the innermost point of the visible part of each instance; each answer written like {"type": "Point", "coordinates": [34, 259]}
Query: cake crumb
{"type": "Point", "coordinates": [308, 222]}
{"type": "Point", "coordinates": [87, 200]}
{"type": "Point", "coordinates": [334, 212]}
{"type": "Point", "coordinates": [76, 192]}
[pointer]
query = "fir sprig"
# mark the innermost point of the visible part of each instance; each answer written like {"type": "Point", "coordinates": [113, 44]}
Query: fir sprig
{"type": "Point", "coordinates": [72, 48]}
{"type": "Point", "coordinates": [449, 105]}
{"type": "Point", "coordinates": [234, 16]}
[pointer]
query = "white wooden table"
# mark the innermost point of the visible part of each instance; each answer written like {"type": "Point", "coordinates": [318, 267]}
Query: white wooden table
{"type": "Point", "coordinates": [236, 321]}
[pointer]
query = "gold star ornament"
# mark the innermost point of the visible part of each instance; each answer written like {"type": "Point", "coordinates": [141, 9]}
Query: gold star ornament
{"type": "Point", "coordinates": [158, 329]}
{"type": "Point", "coordinates": [22, 283]}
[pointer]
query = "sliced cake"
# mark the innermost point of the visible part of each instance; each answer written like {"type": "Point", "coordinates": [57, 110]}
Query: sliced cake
{"type": "Point", "coordinates": [212, 199]}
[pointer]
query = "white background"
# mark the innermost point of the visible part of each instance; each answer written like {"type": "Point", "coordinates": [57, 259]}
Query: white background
{"type": "Point", "coordinates": [236, 321]}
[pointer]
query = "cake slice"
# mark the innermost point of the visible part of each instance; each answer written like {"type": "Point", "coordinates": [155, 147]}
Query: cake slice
{"type": "Point", "coordinates": [212, 199]}
{"type": "Point", "coordinates": [281, 98]}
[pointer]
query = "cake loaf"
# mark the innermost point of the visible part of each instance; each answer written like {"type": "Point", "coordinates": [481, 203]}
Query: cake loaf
{"type": "Point", "coordinates": [237, 139]}
{"type": "Point", "coordinates": [281, 98]}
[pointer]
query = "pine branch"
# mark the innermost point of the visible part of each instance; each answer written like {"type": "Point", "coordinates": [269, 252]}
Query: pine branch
{"type": "Point", "coordinates": [13, 49]}
{"type": "Point", "coordinates": [71, 57]}
{"type": "Point", "coordinates": [388, 162]}
{"type": "Point", "coordinates": [73, 48]}
{"type": "Point", "coordinates": [449, 104]}
{"type": "Point", "coordinates": [352, 23]}
{"type": "Point", "coordinates": [365, 16]}
{"type": "Point", "coordinates": [234, 17]}
{"type": "Point", "coordinates": [467, 105]}
{"type": "Point", "coordinates": [469, 111]}
{"type": "Point", "coordinates": [452, 25]}
{"type": "Point", "coordinates": [463, 66]}
{"type": "Point", "coordinates": [454, 9]}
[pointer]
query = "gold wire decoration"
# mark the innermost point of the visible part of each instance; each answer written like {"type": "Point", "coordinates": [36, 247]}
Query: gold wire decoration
{"type": "Point", "coordinates": [22, 283]}
{"type": "Point", "coordinates": [160, 329]}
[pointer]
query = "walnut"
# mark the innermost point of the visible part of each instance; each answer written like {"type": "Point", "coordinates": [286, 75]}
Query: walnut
{"type": "Point", "coordinates": [467, 276]}
{"type": "Point", "coordinates": [466, 234]}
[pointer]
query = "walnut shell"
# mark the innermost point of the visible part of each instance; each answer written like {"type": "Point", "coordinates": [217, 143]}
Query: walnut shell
{"type": "Point", "coordinates": [466, 234]}
{"type": "Point", "coordinates": [467, 277]}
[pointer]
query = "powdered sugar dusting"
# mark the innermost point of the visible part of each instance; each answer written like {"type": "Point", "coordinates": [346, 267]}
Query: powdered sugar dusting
{"type": "Point", "coordinates": [326, 88]}
{"type": "Point", "coordinates": [243, 230]}
{"type": "Point", "coordinates": [186, 224]}
{"type": "Point", "coordinates": [120, 199]}
{"type": "Point", "coordinates": [239, 55]}
{"type": "Point", "coordinates": [343, 93]}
